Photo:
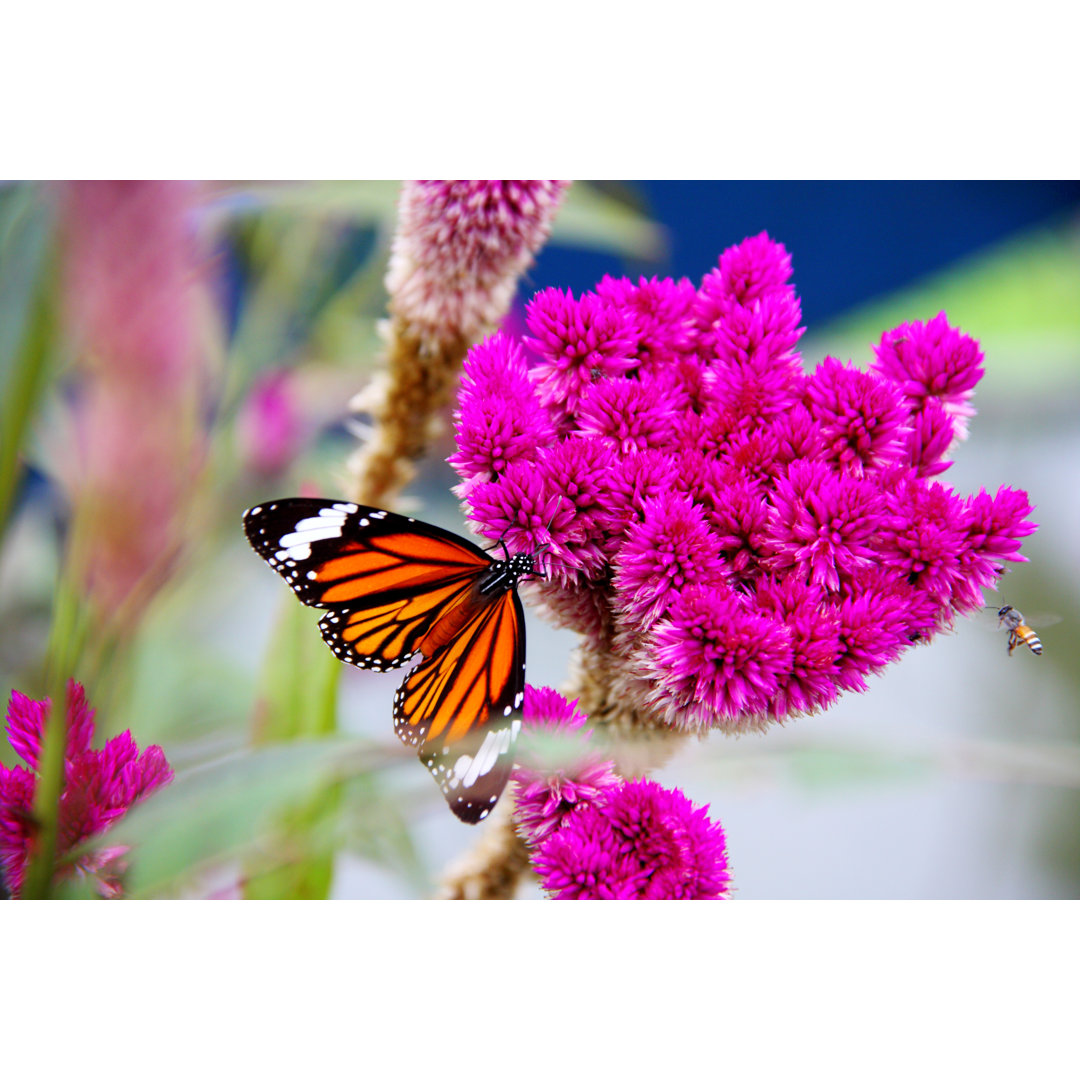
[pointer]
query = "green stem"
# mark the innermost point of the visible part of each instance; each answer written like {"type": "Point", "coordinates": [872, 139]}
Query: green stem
{"type": "Point", "coordinates": [66, 643]}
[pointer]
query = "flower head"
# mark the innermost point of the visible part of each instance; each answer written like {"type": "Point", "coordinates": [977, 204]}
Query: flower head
{"type": "Point", "coordinates": [716, 660]}
{"type": "Point", "coordinates": [641, 842]}
{"type": "Point", "coordinates": [739, 541]}
{"type": "Point", "coordinates": [578, 342]}
{"type": "Point", "coordinates": [460, 247]}
{"type": "Point", "coordinates": [933, 360]}
{"type": "Point", "coordinates": [269, 427]}
{"type": "Point", "coordinates": [100, 786]}
{"type": "Point", "coordinates": [556, 771]}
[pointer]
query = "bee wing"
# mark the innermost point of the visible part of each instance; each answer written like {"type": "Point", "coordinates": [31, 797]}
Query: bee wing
{"type": "Point", "coordinates": [987, 618]}
{"type": "Point", "coordinates": [1038, 619]}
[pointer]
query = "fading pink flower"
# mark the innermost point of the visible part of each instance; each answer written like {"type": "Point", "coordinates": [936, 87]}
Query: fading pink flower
{"type": "Point", "coordinates": [135, 300]}
{"type": "Point", "coordinates": [460, 247]}
{"type": "Point", "coordinates": [642, 842]}
{"type": "Point", "coordinates": [100, 786]}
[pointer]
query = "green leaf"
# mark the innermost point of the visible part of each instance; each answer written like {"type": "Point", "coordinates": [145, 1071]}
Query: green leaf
{"type": "Point", "coordinates": [27, 326]}
{"type": "Point", "coordinates": [592, 218]}
{"type": "Point", "coordinates": [231, 809]}
{"type": "Point", "coordinates": [1020, 299]}
{"type": "Point", "coordinates": [299, 682]}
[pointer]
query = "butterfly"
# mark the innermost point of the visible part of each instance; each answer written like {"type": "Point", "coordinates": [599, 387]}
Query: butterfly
{"type": "Point", "coordinates": [395, 588]}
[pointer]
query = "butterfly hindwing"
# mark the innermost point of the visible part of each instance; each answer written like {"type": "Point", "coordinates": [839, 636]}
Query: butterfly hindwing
{"type": "Point", "coordinates": [385, 580]}
{"type": "Point", "coordinates": [461, 707]}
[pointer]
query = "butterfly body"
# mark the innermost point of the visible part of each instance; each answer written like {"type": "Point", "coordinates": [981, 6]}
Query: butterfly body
{"type": "Point", "coordinates": [395, 589]}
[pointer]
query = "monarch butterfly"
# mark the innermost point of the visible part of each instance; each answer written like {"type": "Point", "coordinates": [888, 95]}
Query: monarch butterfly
{"type": "Point", "coordinates": [394, 588]}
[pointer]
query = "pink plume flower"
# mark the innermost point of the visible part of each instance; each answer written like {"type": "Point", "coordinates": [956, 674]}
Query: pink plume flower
{"type": "Point", "coordinates": [499, 421]}
{"type": "Point", "coordinates": [135, 301]}
{"type": "Point", "coordinates": [670, 550]}
{"type": "Point", "coordinates": [461, 246]}
{"type": "Point", "coordinates": [662, 314]}
{"type": "Point", "coordinates": [100, 786]}
{"type": "Point", "coordinates": [642, 842]}
{"type": "Point", "coordinates": [269, 426]}
{"type": "Point", "coordinates": [716, 661]}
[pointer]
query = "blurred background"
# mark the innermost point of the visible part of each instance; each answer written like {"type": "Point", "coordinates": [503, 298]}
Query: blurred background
{"type": "Point", "coordinates": [122, 483]}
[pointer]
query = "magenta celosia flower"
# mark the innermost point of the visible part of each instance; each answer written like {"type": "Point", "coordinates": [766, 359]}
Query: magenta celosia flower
{"type": "Point", "coordinates": [269, 427]}
{"type": "Point", "coordinates": [498, 419]}
{"type": "Point", "coordinates": [714, 659]}
{"type": "Point", "coordinates": [822, 524]}
{"type": "Point", "coordinates": [748, 272]}
{"type": "Point", "coordinates": [556, 771]}
{"type": "Point", "coordinates": [578, 342]}
{"type": "Point", "coordinates": [639, 842]}
{"type": "Point", "coordinates": [461, 246]}
{"type": "Point", "coordinates": [669, 550]}
{"type": "Point", "coordinates": [724, 528]}
{"type": "Point", "coordinates": [628, 415]}
{"type": "Point", "coordinates": [863, 420]}
{"type": "Point", "coordinates": [100, 786]}
{"type": "Point", "coordinates": [662, 314]}
{"type": "Point", "coordinates": [932, 433]}
{"type": "Point", "coordinates": [933, 360]}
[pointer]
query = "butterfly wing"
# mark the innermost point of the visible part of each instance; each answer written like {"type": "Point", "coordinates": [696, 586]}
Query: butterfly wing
{"type": "Point", "coordinates": [461, 707]}
{"type": "Point", "coordinates": [385, 580]}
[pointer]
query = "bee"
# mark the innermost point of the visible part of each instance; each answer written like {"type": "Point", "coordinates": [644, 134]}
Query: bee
{"type": "Point", "coordinates": [1019, 631]}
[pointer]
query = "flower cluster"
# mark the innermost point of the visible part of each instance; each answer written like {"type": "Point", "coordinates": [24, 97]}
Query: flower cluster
{"type": "Point", "coordinates": [739, 540]}
{"type": "Point", "coordinates": [99, 787]}
{"type": "Point", "coordinates": [593, 836]}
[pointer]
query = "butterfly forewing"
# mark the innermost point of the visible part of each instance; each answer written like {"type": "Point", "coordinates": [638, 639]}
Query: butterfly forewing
{"type": "Point", "coordinates": [461, 708]}
{"type": "Point", "coordinates": [385, 579]}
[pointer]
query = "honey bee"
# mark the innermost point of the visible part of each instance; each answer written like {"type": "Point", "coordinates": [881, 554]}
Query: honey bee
{"type": "Point", "coordinates": [1019, 631]}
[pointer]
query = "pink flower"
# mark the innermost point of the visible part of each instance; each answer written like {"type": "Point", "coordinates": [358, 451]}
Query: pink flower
{"type": "Point", "coordinates": [499, 420]}
{"type": "Point", "coordinates": [933, 360]}
{"type": "Point", "coordinates": [639, 842]}
{"type": "Point", "coordinates": [99, 788]}
{"type": "Point", "coordinates": [722, 527]}
{"type": "Point", "coordinates": [460, 247]}
{"type": "Point", "coordinates": [822, 524]}
{"type": "Point", "coordinates": [556, 772]}
{"type": "Point", "coordinates": [135, 305]}
{"type": "Point", "coordinates": [578, 342]}
{"type": "Point", "coordinates": [670, 550]}
{"type": "Point", "coordinates": [863, 419]}
{"type": "Point", "coordinates": [661, 312]}
{"type": "Point", "coordinates": [269, 427]}
{"type": "Point", "coordinates": [714, 659]}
